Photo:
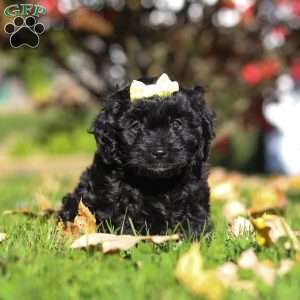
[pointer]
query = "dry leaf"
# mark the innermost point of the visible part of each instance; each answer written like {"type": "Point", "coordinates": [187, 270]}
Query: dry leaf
{"type": "Point", "coordinates": [85, 220]}
{"type": "Point", "coordinates": [29, 213]}
{"type": "Point", "coordinates": [2, 236]}
{"type": "Point", "coordinates": [228, 273]}
{"type": "Point", "coordinates": [19, 211]}
{"type": "Point", "coordinates": [294, 182]}
{"type": "Point", "coordinates": [160, 239]}
{"type": "Point", "coordinates": [211, 283]}
{"type": "Point", "coordinates": [47, 190]}
{"type": "Point", "coordinates": [84, 223]}
{"type": "Point", "coordinates": [267, 198]}
{"type": "Point", "coordinates": [117, 242]}
{"type": "Point", "coordinates": [43, 202]}
{"type": "Point", "coordinates": [240, 226]}
{"type": "Point", "coordinates": [248, 259]}
{"type": "Point", "coordinates": [69, 229]}
{"type": "Point", "coordinates": [112, 242]}
{"type": "Point", "coordinates": [232, 209]}
{"type": "Point", "coordinates": [266, 272]}
{"type": "Point", "coordinates": [189, 272]}
{"type": "Point", "coordinates": [285, 266]}
{"type": "Point", "coordinates": [224, 191]}
{"type": "Point", "coordinates": [270, 228]}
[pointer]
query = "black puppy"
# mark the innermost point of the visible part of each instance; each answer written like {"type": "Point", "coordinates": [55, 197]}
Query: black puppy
{"type": "Point", "coordinates": [149, 173]}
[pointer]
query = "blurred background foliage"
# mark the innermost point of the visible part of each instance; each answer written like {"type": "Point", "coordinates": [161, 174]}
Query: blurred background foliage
{"type": "Point", "coordinates": [241, 51]}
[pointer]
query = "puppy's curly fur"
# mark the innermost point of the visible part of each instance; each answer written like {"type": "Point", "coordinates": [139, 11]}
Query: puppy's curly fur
{"type": "Point", "coordinates": [149, 171]}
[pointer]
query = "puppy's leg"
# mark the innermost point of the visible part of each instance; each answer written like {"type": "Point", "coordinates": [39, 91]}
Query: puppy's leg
{"type": "Point", "coordinates": [69, 208]}
{"type": "Point", "coordinates": [84, 191]}
{"type": "Point", "coordinates": [198, 216]}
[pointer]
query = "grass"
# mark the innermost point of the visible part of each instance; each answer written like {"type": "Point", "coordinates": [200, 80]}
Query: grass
{"type": "Point", "coordinates": [36, 264]}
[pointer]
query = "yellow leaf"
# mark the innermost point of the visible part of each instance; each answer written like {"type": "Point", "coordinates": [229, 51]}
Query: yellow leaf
{"type": "Point", "coordinates": [84, 223]}
{"type": "Point", "coordinates": [223, 191]}
{"type": "Point", "coordinates": [295, 183]}
{"type": "Point", "coordinates": [267, 198]}
{"type": "Point", "coordinates": [270, 228]}
{"type": "Point", "coordinates": [85, 220]}
{"type": "Point", "coordinates": [189, 272]}
{"type": "Point", "coordinates": [43, 202]}
{"type": "Point", "coordinates": [233, 209]}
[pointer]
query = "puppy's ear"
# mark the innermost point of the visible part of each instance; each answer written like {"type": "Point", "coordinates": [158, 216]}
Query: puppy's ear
{"type": "Point", "coordinates": [104, 128]}
{"type": "Point", "coordinates": [207, 118]}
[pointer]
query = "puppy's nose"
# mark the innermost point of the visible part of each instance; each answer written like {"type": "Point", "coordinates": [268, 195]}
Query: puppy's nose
{"type": "Point", "coordinates": [159, 153]}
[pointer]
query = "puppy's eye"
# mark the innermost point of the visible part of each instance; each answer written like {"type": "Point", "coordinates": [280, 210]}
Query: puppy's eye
{"type": "Point", "coordinates": [176, 124]}
{"type": "Point", "coordinates": [135, 125]}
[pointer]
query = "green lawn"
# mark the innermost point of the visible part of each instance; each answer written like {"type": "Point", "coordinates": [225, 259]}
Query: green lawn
{"type": "Point", "coordinates": [36, 264]}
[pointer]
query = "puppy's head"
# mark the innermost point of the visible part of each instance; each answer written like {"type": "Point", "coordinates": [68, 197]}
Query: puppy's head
{"type": "Point", "coordinates": [155, 137]}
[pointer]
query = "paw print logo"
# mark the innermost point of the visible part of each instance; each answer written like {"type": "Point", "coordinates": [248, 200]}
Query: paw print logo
{"type": "Point", "coordinates": [24, 32]}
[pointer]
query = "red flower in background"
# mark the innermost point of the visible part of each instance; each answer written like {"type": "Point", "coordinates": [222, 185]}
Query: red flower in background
{"type": "Point", "coordinates": [248, 15]}
{"type": "Point", "coordinates": [280, 31]}
{"type": "Point", "coordinates": [270, 68]}
{"type": "Point", "coordinates": [252, 74]}
{"type": "Point", "coordinates": [296, 7]}
{"type": "Point", "coordinates": [256, 72]}
{"type": "Point", "coordinates": [51, 6]}
{"type": "Point", "coordinates": [295, 70]}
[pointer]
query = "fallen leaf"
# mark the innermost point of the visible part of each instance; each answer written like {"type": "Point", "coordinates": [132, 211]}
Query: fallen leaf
{"type": "Point", "coordinates": [228, 273]}
{"type": "Point", "coordinates": [2, 236]}
{"type": "Point", "coordinates": [29, 213]}
{"type": "Point", "coordinates": [240, 226]}
{"type": "Point", "coordinates": [118, 242]}
{"type": "Point", "coordinates": [68, 228]}
{"type": "Point", "coordinates": [267, 198]}
{"type": "Point", "coordinates": [233, 209]}
{"type": "Point", "coordinates": [160, 239]}
{"type": "Point", "coordinates": [190, 273]}
{"type": "Point", "coordinates": [224, 191]}
{"type": "Point", "coordinates": [209, 283]}
{"type": "Point", "coordinates": [111, 242]}
{"type": "Point", "coordinates": [270, 228]}
{"type": "Point", "coordinates": [248, 259]}
{"type": "Point", "coordinates": [19, 211]}
{"type": "Point", "coordinates": [285, 266]}
{"type": "Point", "coordinates": [85, 220]}
{"type": "Point", "coordinates": [280, 183]}
{"type": "Point", "coordinates": [294, 183]}
{"type": "Point", "coordinates": [43, 202]}
{"type": "Point", "coordinates": [265, 270]}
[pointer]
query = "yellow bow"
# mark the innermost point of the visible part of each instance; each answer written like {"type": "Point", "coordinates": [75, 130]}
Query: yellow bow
{"type": "Point", "coordinates": [163, 87]}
